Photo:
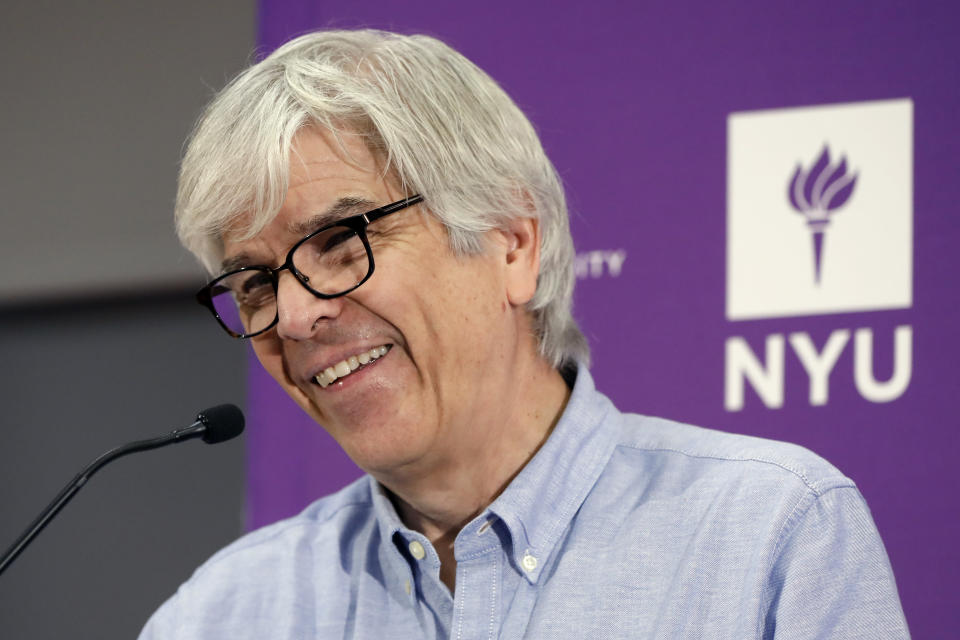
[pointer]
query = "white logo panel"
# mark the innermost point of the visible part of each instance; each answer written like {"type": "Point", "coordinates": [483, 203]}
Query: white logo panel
{"type": "Point", "coordinates": [820, 209]}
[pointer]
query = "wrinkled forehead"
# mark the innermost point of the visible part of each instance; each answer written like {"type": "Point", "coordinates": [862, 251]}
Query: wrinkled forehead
{"type": "Point", "coordinates": [318, 154]}
{"type": "Point", "coordinates": [315, 148]}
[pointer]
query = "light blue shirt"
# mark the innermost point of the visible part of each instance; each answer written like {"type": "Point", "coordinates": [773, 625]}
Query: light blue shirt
{"type": "Point", "coordinates": [621, 526]}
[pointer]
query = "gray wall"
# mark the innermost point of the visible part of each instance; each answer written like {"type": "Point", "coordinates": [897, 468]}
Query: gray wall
{"type": "Point", "coordinates": [96, 100]}
{"type": "Point", "coordinates": [77, 381]}
{"type": "Point", "coordinates": [99, 339]}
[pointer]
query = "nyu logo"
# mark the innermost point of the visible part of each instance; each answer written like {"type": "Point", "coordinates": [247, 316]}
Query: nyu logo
{"type": "Point", "coordinates": [869, 263]}
{"type": "Point", "coordinates": [766, 375]}
{"type": "Point", "coordinates": [780, 165]}
{"type": "Point", "coordinates": [817, 193]}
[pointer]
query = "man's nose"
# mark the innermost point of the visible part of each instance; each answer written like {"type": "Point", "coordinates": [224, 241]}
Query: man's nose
{"type": "Point", "coordinates": [299, 312]}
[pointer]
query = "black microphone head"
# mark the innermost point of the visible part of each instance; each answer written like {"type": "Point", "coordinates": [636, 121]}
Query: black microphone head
{"type": "Point", "coordinates": [222, 422]}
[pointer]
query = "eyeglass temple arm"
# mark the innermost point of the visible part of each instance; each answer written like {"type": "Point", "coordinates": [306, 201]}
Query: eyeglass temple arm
{"type": "Point", "coordinates": [390, 208]}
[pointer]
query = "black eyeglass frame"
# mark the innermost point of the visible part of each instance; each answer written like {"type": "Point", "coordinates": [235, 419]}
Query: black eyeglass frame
{"type": "Point", "coordinates": [357, 223]}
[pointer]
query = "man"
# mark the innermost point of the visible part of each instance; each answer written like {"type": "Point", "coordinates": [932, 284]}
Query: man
{"type": "Point", "coordinates": [387, 231]}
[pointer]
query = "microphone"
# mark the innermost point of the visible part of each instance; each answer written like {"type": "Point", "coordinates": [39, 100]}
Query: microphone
{"type": "Point", "coordinates": [213, 425]}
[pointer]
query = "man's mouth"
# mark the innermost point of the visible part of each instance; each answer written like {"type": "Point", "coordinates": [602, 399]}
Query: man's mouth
{"type": "Point", "coordinates": [345, 367]}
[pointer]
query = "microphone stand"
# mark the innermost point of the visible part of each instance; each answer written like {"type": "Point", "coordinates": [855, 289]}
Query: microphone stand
{"type": "Point", "coordinates": [195, 430]}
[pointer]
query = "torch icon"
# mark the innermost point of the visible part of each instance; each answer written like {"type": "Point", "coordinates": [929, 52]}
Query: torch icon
{"type": "Point", "coordinates": [817, 193]}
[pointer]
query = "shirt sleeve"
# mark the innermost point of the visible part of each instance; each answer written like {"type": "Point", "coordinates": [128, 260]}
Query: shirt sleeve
{"type": "Point", "coordinates": [831, 577]}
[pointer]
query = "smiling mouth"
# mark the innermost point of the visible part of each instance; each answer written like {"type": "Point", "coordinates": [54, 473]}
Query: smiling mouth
{"type": "Point", "coordinates": [345, 367]}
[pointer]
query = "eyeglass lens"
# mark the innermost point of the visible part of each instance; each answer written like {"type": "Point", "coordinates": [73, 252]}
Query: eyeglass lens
{"type": "Point", "coordinates": [332, 262]}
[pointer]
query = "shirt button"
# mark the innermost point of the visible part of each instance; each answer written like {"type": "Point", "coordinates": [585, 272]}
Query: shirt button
{"type": "Point", "coordinates": [529, 563]}
{"type": "Point", "coordinates": [417, 551]}
{"type": "Point", "coordinates": [407, 588]}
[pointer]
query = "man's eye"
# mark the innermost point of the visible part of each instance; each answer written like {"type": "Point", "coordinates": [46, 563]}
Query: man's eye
{"type": "Point", "coordinates": [253, 291]}
{"type": "Point", "coordinates": [337, 240]}
{"type": "Point", "coordinates": [256, 298]}
{"type": "Point", "coordinates": [255, 282]}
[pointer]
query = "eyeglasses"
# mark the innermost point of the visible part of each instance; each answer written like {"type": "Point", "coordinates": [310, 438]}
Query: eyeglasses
{"type": "Point", "coordinates": [330, 262]}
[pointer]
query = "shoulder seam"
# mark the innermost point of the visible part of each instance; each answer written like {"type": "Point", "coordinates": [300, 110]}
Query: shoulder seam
{"type": "Point", "coordinates": [812, 486]}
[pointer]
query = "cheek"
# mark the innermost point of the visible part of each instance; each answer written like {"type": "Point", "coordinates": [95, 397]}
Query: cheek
{"type": "Point", "coordinates": [467, 314]}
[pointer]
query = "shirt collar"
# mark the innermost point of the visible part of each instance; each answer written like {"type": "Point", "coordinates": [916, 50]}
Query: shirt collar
{"type": "Point", "coordinates": [395, 537]}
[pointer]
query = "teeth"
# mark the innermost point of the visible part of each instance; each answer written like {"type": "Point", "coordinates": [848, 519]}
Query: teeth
{"type": "Point", "coordinates": [345, 367]}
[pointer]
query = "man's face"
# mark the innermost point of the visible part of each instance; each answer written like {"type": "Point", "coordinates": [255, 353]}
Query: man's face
{"type": "Point", "coordinates": [447, 322]}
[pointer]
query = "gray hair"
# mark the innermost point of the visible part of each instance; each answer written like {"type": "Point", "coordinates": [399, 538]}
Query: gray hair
{"type": "Point", "coordinates": [439, 124]}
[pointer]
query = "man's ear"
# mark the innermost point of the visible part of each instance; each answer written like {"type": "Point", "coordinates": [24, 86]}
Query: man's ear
{"type": "Point", "coordinates": [522, 259]}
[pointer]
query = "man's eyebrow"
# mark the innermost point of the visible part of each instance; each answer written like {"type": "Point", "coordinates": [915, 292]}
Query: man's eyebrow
{"type": "Point", "coordinates": [342, 208]}
{"type": "Point", "coordinates": [235, 262]}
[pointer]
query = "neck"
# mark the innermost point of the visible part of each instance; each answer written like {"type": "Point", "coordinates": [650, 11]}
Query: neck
{"type": "Point", "coordinates": [440, 501]}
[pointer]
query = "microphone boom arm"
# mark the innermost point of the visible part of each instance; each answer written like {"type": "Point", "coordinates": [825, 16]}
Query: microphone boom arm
{"type": "Point", "coordinates": [220, 429]}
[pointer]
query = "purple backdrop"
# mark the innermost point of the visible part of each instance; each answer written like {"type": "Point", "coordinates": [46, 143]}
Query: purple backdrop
{"type": "Point", "coordinates": [633, 106]}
